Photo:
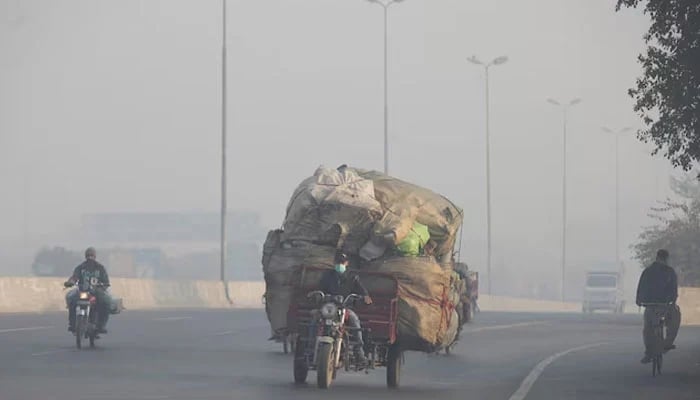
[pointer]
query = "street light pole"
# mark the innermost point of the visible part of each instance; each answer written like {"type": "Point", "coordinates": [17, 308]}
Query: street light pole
{"type": "Point", "coordinates": [385, 4]}
{"type": "Point", "coordinates": [564, 108]}
{"type": "Point", "coordinates": [222, 245]}
{"type": "Point", "coordinates": [496, 61]}
{"type": "Point", "coordinates": [617, 189]}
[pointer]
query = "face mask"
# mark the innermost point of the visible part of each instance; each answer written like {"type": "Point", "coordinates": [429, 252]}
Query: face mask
{"type": "Point", "coordinates": [340, 268]}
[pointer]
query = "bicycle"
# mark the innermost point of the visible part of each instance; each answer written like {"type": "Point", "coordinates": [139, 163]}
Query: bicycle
{"type": "Point", "coordinates": [657, 347]}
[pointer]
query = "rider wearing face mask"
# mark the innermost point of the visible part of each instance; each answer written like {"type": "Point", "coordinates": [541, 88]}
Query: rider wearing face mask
{"type": "Point", "coordinates": [339, 282]}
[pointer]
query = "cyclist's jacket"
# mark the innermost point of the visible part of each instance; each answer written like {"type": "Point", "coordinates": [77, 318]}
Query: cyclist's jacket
{"type": "Point", "coordinates": [90, 271]}
{"type": "Point", "coordinates": [658, 284]}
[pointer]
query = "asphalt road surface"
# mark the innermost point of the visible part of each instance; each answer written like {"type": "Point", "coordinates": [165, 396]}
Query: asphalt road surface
{"type": "Point", "coordinates": [195, 354]}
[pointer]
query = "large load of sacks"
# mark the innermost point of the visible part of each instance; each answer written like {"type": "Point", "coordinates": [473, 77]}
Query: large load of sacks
{"type": "Point", "coordinates": [384, 225]}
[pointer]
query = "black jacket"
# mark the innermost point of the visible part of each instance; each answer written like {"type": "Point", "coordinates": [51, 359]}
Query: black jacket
{"type": "Point", "coordinates": [658, 284]}
{"type": "Point", "coordinates": [88, 270]}
{"type": "Point", "coordinates": [334, 283]}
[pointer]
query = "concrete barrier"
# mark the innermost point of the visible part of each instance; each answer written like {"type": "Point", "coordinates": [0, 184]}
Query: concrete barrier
{"type": "Point", "coordinates": [24, 294]}
{"type": "Point", "coordinates": [689, 302]}
{"type": "Point", "coordinates": [517, 304]}
{"type": "Point", "coordinates": [33, 294]}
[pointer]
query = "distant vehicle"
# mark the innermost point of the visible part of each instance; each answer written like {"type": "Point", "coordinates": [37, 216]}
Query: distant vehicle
{"type": "Point", "coordinates": [603, 291]}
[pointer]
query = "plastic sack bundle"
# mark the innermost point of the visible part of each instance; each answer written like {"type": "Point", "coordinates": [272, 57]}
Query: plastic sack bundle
{"type": "Point", "coordinates": [413, 243]}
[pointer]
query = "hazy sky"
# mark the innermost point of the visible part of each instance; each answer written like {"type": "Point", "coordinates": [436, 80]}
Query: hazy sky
{"type": "Point", "coordinates": [115, 106]}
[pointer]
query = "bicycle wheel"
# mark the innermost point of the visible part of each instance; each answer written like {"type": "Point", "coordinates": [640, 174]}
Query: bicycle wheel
{"type": "Point", "coordinates": [656, 364]}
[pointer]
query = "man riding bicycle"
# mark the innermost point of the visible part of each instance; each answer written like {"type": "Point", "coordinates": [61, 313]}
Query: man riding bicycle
{"type": "Point", "coordinates": [658, 285]}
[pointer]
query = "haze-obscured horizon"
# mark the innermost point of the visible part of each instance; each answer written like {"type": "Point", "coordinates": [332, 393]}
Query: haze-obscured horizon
{"type": "Point", "coordinates": [114, 106]}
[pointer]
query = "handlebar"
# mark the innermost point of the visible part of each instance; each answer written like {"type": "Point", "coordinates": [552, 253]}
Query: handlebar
{"type": "Point", "coordinates": [351, 297]}
{"type": "Point", "coordinates": [315, 293]}
{"type": "Point", "coordinates": [656, 304]}
{"type": "Point", "coordinates": [67, 285]}
{"type": "Point", "coordinates": [321, 295]}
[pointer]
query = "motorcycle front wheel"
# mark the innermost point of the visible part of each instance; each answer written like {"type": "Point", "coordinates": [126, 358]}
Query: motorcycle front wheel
{"type": "Point", "coordinates": [80, 326]}
{"type": "Point", "coordinates": [326, 366]}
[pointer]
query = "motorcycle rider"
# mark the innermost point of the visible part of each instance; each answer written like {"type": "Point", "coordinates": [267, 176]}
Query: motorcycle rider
{"type": "Point", "coordinates": [659, 284]}
{"type": "Point", "coordinates": [89, 271]}
{"type": "Point", "coordinates": [338, 282]}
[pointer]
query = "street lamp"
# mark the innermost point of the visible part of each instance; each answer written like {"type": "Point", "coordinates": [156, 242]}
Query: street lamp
{"type": "Point", "coordinates": [385, 4]}
{"type": "Point", "coordinates": [222, 245]}
{"type": "Point", "coordinates": [496, 61]}
{"type": "Point", "coordinates": [564, 108]}
{"type": "Point", "coordinates": [617, 188]}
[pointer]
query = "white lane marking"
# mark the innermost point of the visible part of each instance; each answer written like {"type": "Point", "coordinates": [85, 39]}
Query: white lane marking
{"type": "Point", "coordinates": [241, 330]}
{"type": "Point", "coordinates": [172, 318]}
{"type": "Point", "coordinates": [125, 397]}
{"type": "Point", "coordinates": [46, 353]}
{"type": "Point", "coordinates": [499, 327]}
{"type": "Point", "coordinates": [32, 328]}
{"type": "Point", "coordinates": [530, 380]}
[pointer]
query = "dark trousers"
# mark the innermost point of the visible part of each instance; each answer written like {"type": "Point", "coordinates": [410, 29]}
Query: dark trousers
{"type": "Point", "coordinates": [354, 322]}
{"type": "Point", "coordinates": [104, 301]}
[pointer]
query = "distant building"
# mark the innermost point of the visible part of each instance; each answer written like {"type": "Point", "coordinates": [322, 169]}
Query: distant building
{"type": "Point", "coordinates": [188, 240]}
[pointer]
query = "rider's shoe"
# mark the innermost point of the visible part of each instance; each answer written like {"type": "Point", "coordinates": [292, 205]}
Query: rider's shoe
{"type": "Point", "coordinates": [669, 347]}
{"type": "Point", "coordinates": [362, 361]}
{"type": "Point", "coordinates": [71, 329]}
{"type": "Point", "coordinates": [646, 359]}
{"type": "Point", "coordinates": [101, 330]}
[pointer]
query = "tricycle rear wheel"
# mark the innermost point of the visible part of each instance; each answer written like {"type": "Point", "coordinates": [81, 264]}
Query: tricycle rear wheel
{"type": "Point", "coordinates": [301, 367]}
{"type": "Point", "coordinates": [393, 367]}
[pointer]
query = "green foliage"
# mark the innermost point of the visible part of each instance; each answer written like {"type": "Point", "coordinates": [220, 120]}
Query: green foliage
{"type": "Point", "coordinates": [667, 96]}
{"type": "Point", "coordinates": [677, 230]}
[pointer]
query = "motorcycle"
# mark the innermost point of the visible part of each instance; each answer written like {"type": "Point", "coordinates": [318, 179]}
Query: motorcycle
{"type": "Point", "coordinates": [328, 344]}
{"type": "Point", "coordinates": [87, 314]}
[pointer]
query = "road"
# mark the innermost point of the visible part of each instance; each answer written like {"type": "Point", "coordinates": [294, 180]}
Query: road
{"type": "Point", "coordinates": [196, 354]}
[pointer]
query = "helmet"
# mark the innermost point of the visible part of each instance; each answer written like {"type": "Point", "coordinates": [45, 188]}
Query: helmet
{"type": "Point", "coordinates": [90, 252]}
{"type": "Point", "coordinates": [341, 258]}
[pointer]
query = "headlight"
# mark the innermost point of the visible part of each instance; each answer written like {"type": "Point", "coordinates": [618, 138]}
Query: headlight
{"type": "Point", "coordinates": [84, 295]}
{"type": "Point", "coordinates": [329, 310]}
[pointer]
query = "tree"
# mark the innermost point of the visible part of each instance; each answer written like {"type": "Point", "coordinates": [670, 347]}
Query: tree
{"type": "Point", "coordinates": [667, 96]}
{"type": "Point", "coordinates": [677, 230]}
